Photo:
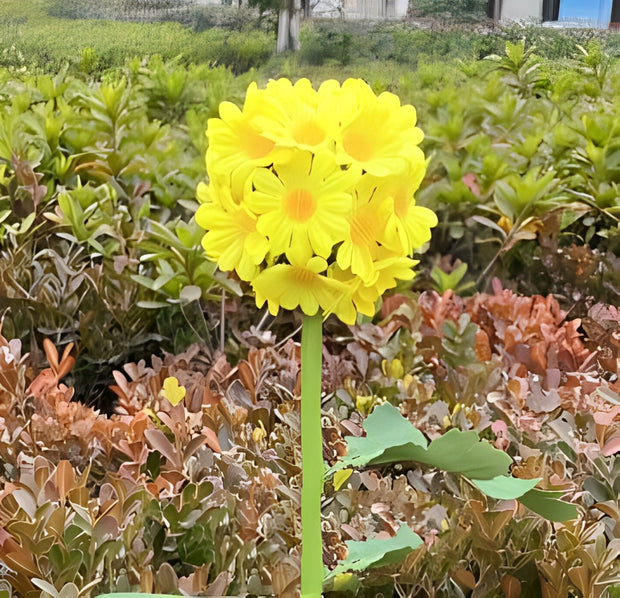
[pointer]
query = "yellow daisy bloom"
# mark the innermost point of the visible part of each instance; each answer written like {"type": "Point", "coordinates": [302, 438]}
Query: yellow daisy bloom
{"type": "Point", "coordinates": [299, 284]}
{"type": "Point", "coordinates": [203, 193]}
{"type": "Point", "coordinates": [343, 305]}
{"type": "Point", "coordinates": [367, 224]}
{"type": "Point", "coordinates": [377, 133]}
{"type": "Point", "coordinates": [234, 138]}
{"type": "Point", "coordinates": [390, 268]}
{"type": "Point", "coordinates": [408, 226]}
{"type": "Point", "coordinates": [299, 116]}
{"type": "Point", "coordinates": [231, 239]}
{"type": "Point", "coordinates": [304, 202]}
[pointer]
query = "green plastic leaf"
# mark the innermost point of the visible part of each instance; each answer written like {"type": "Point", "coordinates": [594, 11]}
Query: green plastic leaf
{"type": "Point", "coordinates": [390, 438]}
{"type": "Point", "coordinates": [464, 453]}
{"type": "Point", "coordinates": [547, 504]}
{"type": "Point", "coordinates": [504, 487]}
{"type": "Point", "coordinates": [377, 553]}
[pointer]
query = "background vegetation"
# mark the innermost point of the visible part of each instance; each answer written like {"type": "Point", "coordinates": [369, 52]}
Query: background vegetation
{"type": "Point", "coordinates": [44, 37]}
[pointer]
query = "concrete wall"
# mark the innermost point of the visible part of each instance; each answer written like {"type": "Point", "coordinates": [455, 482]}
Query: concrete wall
{"type": "Point", "coordinates": [401, 8]}
{"type": "Point", "coordinates": [521, 10]}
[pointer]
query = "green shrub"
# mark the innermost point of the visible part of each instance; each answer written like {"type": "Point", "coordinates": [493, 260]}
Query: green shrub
{"type": "Point", "coordinates": [88, 60]}
{"type": "Point", "coordinates": [457, 9]}
{"type": "Point", "coordinates": [228, 17]}
{"type": "Point", "coordinates": [145, 11]}
{"type": "Point", "coordinates": [97, 186]}
{"type": "Point", "coordinates": [242, 51]}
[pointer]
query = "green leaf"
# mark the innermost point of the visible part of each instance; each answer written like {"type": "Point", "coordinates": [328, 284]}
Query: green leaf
{"type": "Point", "coordinates": [464, 453]}
{"type": "Point", "coordinates": [516, 52]}
{"type": "Point", "coordinates": [614, 591]}
{"type": "Point", "coordinates": [152, 304]}
{"type": "Point", "coordinates": [547, 504]}
{"type": "Point", "coordinates": [390, 438]}
{"type": "Point", "coordinates": [504, 487]}
{"type": "Point", "coordinates": [24, 225]}
{"type": "Point", "coordinates": [445, 281]}
{"type": "Point", "coordinates": [377, 553]}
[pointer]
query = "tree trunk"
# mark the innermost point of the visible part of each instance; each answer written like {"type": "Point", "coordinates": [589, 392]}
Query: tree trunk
{"type": "Point", "coordinates": [294, 26]}
{"type": "Point", "coordinates": [283, 29]}
{"type": "Point", "coordinates": [288, 26]}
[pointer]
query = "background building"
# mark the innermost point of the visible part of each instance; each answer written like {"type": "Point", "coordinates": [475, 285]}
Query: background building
{"type": "Point", "coordinates": [587, 13]}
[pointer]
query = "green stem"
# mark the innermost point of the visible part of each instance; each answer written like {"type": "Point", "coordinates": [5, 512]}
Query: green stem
{"type": "Point", "coordinates": [312, 457]}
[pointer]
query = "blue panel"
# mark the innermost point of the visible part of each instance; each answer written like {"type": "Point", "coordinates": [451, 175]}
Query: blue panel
{"type": "Point", "coordinates": [597, 13]}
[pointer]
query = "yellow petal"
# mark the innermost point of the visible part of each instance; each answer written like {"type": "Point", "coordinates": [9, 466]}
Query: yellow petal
{"type": "Point", "coordinates": [340, 477]}
{"type": "Point", "coordinates": [172, 391]}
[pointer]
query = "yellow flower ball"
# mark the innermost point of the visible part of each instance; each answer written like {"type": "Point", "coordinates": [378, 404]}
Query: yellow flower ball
{"type": "Point", "coordinates": [310, 198]}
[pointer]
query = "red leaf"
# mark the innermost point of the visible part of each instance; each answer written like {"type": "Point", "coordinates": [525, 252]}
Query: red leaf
{"type": "Point", "coordinates": [612, 447]}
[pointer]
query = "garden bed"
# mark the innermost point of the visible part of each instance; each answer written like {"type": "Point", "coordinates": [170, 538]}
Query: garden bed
{"type": "Point", "coordinates": [149, 411]}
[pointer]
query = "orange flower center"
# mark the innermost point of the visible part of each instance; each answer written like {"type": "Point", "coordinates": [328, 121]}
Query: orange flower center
{"type": "Point", "coordinates": [364, 227]}
{"type": "Point", "coordinates": [401, 202]}
{"type": "Point", "coordinates": [303, 276]}
{"type": "Point", "coordinates": [299, 205]}
{"type": "Point", "coordinates": [245, 224]}
{"type": "Point", "coordinates": [358, 145]}
{"type": "Point", "coordinates": [256, 146]}
{"type": "Point", "coordinates": [308, 133]}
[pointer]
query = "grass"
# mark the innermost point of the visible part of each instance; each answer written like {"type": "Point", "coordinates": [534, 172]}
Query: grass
{"type": "Point", "coordinates": [32, 39]}
{"type": "Point", "coordinates": [40, 42]}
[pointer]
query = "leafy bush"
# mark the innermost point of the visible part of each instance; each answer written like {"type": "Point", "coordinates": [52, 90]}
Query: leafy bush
{"type": "Point", "coordinates": [99, 252]}
{"type": "Point", "coordinates": [40, 44]}
{"type": "Point", "coordinates": [103, 503]}
{"type": "Point", "coordinates": [97, 189]}
{"type": "Point", "coordinates": [103, 177]}
{"type": "Point", "coordinates": [114, 494]}
{"type": "Point", "coordinates": [125, 10]}
{"type": "Point", "coordinates": [443, 361]}
{"type": "Point", "coordinates": [458, 10]}
{"type": "Point", "coordinates": [32, 40]}
{"type": "Point", "coordinates": [359, 42]}
{"type": "Point", "coordinates": [242, 52]}
{"type": "Point", "coordinates": [518, 189]}
{"type": "Point", "coordinates": [233, 18]}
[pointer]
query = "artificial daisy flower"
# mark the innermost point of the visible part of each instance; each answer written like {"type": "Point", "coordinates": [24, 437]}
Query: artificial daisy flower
{"type": "Point", "coordinates": [298, 284]}
{"type": "Point", "coordinates": [366, 231]}
{"type": "Point", "coordinates": [303, 202]}
{"type": "Point", "coordinates": [234, 139]}
{"type": "Point", "coordinates": [409, 225]}
{"type": "Point", "coordinates": [298, 116]}
{"type": "Point", "coordinates": [376, 133]}
{"type": "Point", "coordinates": [231, 239]}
